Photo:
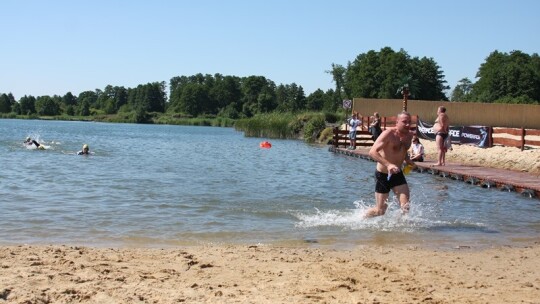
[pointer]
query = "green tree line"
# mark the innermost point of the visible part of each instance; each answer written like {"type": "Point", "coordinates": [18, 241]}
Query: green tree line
{"type": "Point", "coordinates": [513, 78]}
{"type": "Point", "coordinates": [381, 74]}
{"type": "Point", "coordinates": [504, 78]}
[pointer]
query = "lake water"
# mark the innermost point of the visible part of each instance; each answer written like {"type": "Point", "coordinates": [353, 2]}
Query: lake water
{"type": "Point", "coordinates": [159, 185]}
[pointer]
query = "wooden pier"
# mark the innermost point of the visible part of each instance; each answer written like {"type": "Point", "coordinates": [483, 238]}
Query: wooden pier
{"type": "Point", "coordinates": [506, 180]}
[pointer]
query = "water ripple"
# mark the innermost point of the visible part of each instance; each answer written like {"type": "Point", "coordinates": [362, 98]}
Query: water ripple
{"type": "Point", "coordinates": [151, 185]}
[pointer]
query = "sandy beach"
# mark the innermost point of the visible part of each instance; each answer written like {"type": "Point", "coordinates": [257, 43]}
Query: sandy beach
{"type": "Point", "coordinates": [272, 274]}
{"type": "Point", "coordinates": [260, 274]}
{"type": "Point", "coordinates": [501, 157]}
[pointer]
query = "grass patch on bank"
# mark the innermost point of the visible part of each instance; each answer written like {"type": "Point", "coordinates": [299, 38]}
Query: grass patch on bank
{"type": "Point", "coordinates": [271, 125]}
{"type": "Point", "coordinates": [306, 125]}
{"type": "Point", "coordinates": [176, 119]}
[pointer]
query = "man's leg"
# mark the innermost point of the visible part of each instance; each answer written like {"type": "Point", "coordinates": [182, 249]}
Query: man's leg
{"type": "Point", "coordinates": [443, 153]}
{"type": "Point", "coordinates": [402, 193]}
{"type": "Point", "coordinates": [439, 140]}
{"type": "Point", "coordinates": [380, 205]}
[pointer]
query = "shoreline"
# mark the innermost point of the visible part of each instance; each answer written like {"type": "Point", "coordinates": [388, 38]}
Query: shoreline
{"type": "Point", "coordinates": [269, 274]}
{"type": "Point", "coordinates": [396, 238]}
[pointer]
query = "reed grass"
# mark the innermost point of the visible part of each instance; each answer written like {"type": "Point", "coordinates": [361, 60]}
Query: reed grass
{"type": "Point", "coordinates": [306, 125]}
{"type": "Point", "coordinates": [272, 125]}
{"type": "Point", "coordinates": [194, 121]}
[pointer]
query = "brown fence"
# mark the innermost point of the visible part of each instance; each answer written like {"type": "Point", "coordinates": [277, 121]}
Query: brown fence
{"type": "Point", "coordinates": [363, 137]}
{"type": "Point", "coordinates": [497, 136]}
{"type": "Point", "coordinates": [387, 122]}
{"type": "Point", "coordinates": [512, 142]}
{"type": "Point", "coordinates": [341, 138]}
{"type": "Point", "coordinates": [460, 113]}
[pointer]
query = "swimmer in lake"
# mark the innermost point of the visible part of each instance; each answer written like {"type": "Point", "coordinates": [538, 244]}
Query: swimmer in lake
{"type": "Point", "coordinates": [85, 150]}
{"type": "Point", "coordinates": [29, 141]}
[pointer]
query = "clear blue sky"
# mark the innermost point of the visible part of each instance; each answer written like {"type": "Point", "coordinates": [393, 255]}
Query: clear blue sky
{"type": "Point", "coordinates": [55, 47]}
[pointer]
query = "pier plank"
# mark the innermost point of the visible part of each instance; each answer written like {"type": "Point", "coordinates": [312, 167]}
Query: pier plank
{"type": "Point", "coordinates": [521, 182]}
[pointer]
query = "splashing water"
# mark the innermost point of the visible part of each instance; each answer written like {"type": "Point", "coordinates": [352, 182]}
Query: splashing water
{"type": "Point", "coordinates": [422, 217]}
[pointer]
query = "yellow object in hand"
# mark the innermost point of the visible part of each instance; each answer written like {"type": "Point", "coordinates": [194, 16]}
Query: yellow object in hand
{"type": "Point", "coordinates": [406, 169]}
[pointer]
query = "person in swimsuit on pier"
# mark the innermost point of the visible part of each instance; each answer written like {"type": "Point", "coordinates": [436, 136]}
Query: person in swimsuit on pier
{"type": "Point", "coordinates": [390, 151]}
{"type": "Point", "coordinates": [441, 129]}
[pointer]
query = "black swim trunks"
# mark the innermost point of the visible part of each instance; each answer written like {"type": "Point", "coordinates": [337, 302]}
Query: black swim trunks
{"type": "Point", "coordinates": [442, 134]}
{"type": "Point", "coordinates": [383, 185]}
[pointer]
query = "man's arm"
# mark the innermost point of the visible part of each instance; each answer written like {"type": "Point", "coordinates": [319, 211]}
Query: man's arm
{"type": "Point", "coordinates": [378, 147]}
{"type": "Point", "coordinates": [445, 122]}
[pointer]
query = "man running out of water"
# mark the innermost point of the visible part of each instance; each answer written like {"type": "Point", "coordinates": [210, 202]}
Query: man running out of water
{"type": "Point", "coordinates": [390, 151]}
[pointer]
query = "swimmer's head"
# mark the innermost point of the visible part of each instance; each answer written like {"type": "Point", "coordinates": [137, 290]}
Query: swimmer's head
{"type": "Point", "coordinates": [28, 139]}
{"type": "Point", "coordinates": [85, 147]}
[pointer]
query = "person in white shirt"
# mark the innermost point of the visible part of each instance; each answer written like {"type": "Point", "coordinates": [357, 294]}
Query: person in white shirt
{"type": "Point", "coordinates": [354, 122]}
{"type": "Point", "coordinates": [417, 150]}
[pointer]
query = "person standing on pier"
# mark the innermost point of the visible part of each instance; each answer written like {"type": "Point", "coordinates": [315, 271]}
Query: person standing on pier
{"type": "Point", "coordinates": [375, 126]}
{"type": "Point", "coordinates": [390, 152]}
{"type": "Point", "coordinates": [441, 127]}
{"type": "Point", "coordinates": [354, 122]}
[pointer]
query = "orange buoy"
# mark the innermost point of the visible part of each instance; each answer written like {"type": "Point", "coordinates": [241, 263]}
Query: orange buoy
{"type": "Point", "coordinates": [265, 144]}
